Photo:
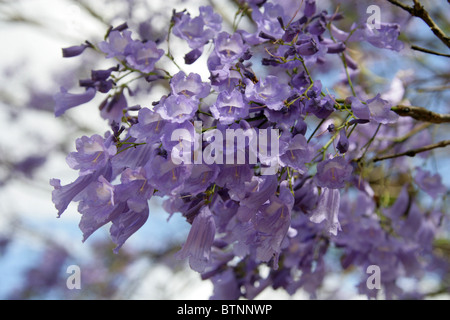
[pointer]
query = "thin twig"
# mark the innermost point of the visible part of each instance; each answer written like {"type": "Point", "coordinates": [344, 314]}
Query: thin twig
{"type": "Point", "coordinates": [367, 145]}
{"type": "Point", "coordinates": [419, 11]}
{"type": "Point", "coordinates": [396, 141]}
{"type": "Point", "coordinates": [417, 48]}
{"type": "Point", "coordinates": [92, 12]}
{"type": "Point", "coordinates": [433, 89]}
{"type": "Point", "coordinates": [413, 152]}
{"type": "Point", "coordinates": [421, 114]}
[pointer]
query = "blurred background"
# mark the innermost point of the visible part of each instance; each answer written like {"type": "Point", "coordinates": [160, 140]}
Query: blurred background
{"type": "Point", "coordinates": [36, 248]}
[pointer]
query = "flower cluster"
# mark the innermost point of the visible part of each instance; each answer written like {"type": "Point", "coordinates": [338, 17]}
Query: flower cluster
{"type": "Point", "coordinates": [242, 218]}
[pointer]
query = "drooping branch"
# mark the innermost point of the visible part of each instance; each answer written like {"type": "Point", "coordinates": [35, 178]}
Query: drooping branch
{"type": "Point", "coordinates": [417, 48]}
{"type": "Point", "coordinates": [421, 114]}
{"type": "Point", "coordinates": [419, 11]}
{"type": "Point", "coordinates": [413, 152]}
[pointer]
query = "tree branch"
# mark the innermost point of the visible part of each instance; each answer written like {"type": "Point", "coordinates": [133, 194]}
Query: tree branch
{"type": "Point", "coordinates": [417, 48]}
{"type": "Point", "coordinates": [421, 114]}
{"type": "Point", "coordinates": [413, 152]}
{"type": "Point", "coordinates": [419, 11]}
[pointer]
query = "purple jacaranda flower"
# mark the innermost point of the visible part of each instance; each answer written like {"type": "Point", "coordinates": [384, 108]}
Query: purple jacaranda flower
{"type": "Point", "coordinates": [101, 192]}
{"type": "Point", "coordinates": [229, 48]}
{"type": "Point", "coordinates": [410, 223]}
{"type": "Point", "coordinates": [319, 25]}
{"type": "Point", "coordinates": [224, 209]}
{"type": "Point", "coordinates": [294, 29]}
{"type": "Point", "coordinates": [97, 206]}
{"type": "Point", "coordinates": [65, 100]}
{"type": "Point", "coordinates": [271, 224]}
{"type": "Point", "coordinates": [189, 86]}
{"type": "Point", "coordinates": [428, 229]}
{"type": "Point", "coordinates": [386, 257]}
{"type": "Point", "coordinates": [297, 154]}
{"type": "Point", "coordinates": [310, 8]}
{"type": "Point", "coordinates": [267, 145]}
{"type": "Point", "coordinates": [193, 55]}
{"type": "Point", "coordinates": [360, 225]}
{"type": "Point", "coordinates": [134, 191]}
{"type": "Point", "coordinates": [221, 74]}
{"type": "Point", "coordinates": [300, 81]}
{"type": "Point", "coordinates": [339, 34]}
{"type": "Point", "coordinates": [269, 92]}
{"type": "Point", "coordinates": [256, 192]}
{"type": "Point", "coordinates": [150, 126]}
{"type": "Point", "coordinates": [177, 108]}
{"type": "Point", "coordinates": [234, 176]}
{"type": "Point", "coordinates": [199, 241]}
{"type": "Point", "coordinates": [62, 196]}
{"type": "Point", "coordinates": [211, 19]}
{"type": "Point", "coordinates": [193, 31]}
{"type": "Point", "coordinates": [321, 107]}
{"type": "Point", "coordinates": [113, 108]}
{"type": "Point", "coordinates": [333, 173]}
{"type": "Point", "coordinates": [351, 63]}
{"type": "Point", "coordinates": [375, 109]}
{"type": "Point", "coordinates": [302, 244]}
{"type": "Point", "coordinates": [307, 45]}
{"type": "Point", "coordinates": [431, 184]}
{"type": "Point", "coordinates": [133, 158]}
{"type": "Point", "coordinates": [134, 188]}
{"type": "Point", "coordinates": [165, 176]}
{"type": "Point", "coordinates": [229, 107]}
{"type": "Point", "coordinates": [202, 176]}
{"type": "Point", "coordinates": [385, 37]}
{"type": "Point", "coordinates": [126, 224]}
{"type": "Point", "coordinates": [199, 30]}
{"type": "Point", "coordinates": [226, 286]}
{"type": "Point", "coordinates": [189, 206]}
{"type": "Point", "coordinates": [92, 154]}
{"type": "Point", "coordinates": [100, 80]}
{"type": "Point", "coordinates": [334, 47]}
{"type": "Point", "coordinates": [327, 210]}
{"type": "Point", "coordinates": [267, 21]}
{"type": "Point", "coordinates": [343, 143]}
{"type": "Point", "coordinates": [306, 195]}
{"type": "Point", "coordinates": [143, 56]}
{"type": "Point", "coordinates": [116, 44]}
{"type": "Point", "coordinates": [75, 50]}
{"type": "Point", "coordinates": [179, 138]}
{"type": "Point", "coordinates": [286, 116]}
{"type": "Point", "coordinates": [238, 138]}
{"type": "Point", "coordinates": [400, 207]}
{"type": "Point", "coordinates": [313, 273]}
